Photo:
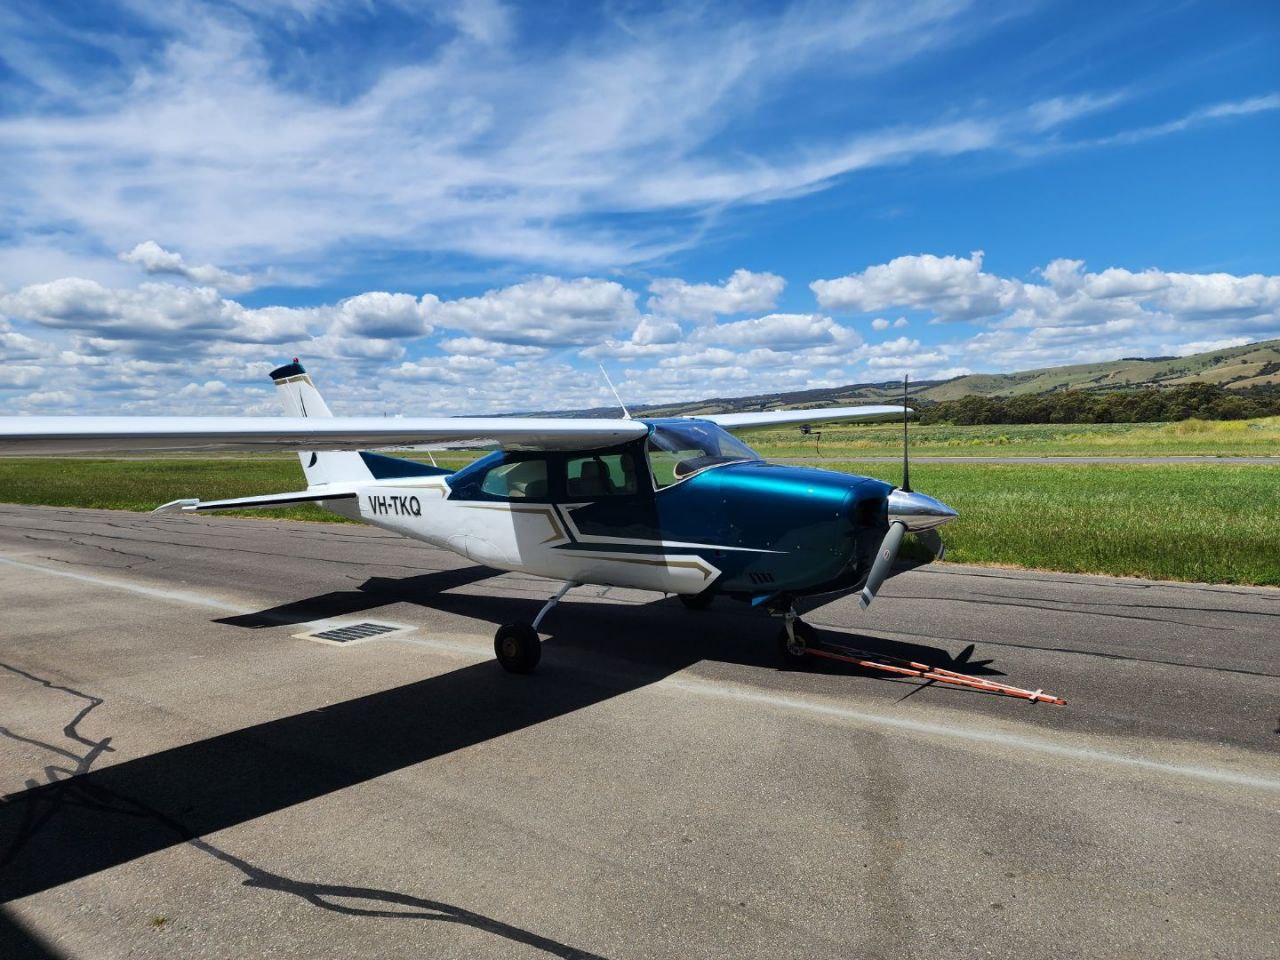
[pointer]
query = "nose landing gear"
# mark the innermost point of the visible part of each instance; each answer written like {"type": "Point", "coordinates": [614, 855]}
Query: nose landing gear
{"type": "Point", "coordinates": [795, 639]}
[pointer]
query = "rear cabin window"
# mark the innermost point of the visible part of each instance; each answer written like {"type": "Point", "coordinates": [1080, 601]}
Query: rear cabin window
{"type": "Point", "coordinates": [521, 480]}
{"type": "Point", "coordinates": [605, 475]}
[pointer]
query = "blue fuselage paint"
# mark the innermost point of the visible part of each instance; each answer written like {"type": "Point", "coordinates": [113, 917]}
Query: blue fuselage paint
{"type": "Point", "coordinates": [393, 468]}
{"type": "Point", "coordinates": [772, 530]}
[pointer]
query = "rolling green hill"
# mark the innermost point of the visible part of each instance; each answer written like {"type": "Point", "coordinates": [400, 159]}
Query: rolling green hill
{"type": "Point", "coordinates": [1240, 367]}
{"type": "Point", "coordinates": [1231, 367]}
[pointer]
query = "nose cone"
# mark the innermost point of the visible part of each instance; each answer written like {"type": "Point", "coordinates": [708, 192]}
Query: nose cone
{"type": "Point", "coordinates": [918, 511]}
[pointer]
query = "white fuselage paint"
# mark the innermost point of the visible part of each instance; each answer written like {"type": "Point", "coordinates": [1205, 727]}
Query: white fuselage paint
{"type": "Point", "coordinates": [527, 537]}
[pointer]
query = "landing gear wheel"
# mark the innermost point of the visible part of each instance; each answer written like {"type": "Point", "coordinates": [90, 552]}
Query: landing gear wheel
{"type": "Point", "coordinates": [696, 601]}
{"type": "Point", "coordinates": [517, 647]}
{"type": "Point", "coordinates": [792, 653]}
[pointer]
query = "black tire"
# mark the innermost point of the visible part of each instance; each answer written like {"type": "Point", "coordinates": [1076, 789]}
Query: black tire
{"type": "Point", "coordinates": [517, 647]}
{"type": "Point", "coordinates": [696, 601]}
{"type": "Point", "coordinates": [805, 633]}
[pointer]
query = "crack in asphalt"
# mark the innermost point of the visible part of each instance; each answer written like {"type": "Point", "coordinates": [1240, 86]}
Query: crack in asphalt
{"type": "Point", "coordinates": [34, 818]}
{"type": "Point", "coordinates": [1003, 602]}
{"type": "Point", "coordinates": [1097, 580]}
{"type": "Point", "coordinates": [204, 546]}
{"type": "Point", "coordinates": [1132, 606]}
{"type": "Point", "coordinates": [77, 789]}
{"type": "Point", "coordinates": [93, 546]}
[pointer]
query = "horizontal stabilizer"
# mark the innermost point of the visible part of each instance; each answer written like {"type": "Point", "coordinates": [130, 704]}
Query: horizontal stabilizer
{"type": "Point", "coordinates": [251, 503]}
{"type": "Point", "coordinates": [782, 418]}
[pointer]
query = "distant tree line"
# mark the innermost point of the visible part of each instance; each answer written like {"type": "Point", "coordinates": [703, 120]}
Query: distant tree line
{"type": "Point", "coordinates": [1205, 401]}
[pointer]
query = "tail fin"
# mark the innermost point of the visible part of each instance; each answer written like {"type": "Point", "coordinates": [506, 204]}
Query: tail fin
{"type": "Point", "coordinates": [301, 399]}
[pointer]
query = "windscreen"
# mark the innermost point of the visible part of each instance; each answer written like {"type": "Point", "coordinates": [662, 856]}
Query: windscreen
{"type": "Point", "coordinates": [679, 450]}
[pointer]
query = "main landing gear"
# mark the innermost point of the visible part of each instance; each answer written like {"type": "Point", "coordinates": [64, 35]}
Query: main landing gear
{"type": "Point", "coordinates": [795, 639]}
{"type": "Point", "coordinates": [517, 645]}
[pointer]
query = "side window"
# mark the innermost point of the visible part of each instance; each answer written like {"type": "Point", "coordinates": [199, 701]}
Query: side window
{"type": "Point", "coordinates": [604, 475]}
{"type": "Point", "coordinates": [521, 480]}
{"type": "Point", "coordinates": [671, 465]}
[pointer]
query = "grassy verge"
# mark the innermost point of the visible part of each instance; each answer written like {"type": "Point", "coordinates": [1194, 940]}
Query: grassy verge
{"type": "Point", "coordinates": [1187, 437]}
{"type": "Point", "coordinates": [145, 484]}
{"type": "Point", "coordinates": [1208, 523]}
{"type": "Point", "coordinates": [1217, 524]}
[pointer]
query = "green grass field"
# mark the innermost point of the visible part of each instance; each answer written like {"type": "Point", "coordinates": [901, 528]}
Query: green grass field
{"type": "Point", "coordinates": [1210, 523]}
{"type": "Point", "coordinates": [1216, 524]}
{"type": "Point", "coordinates": [1187, 437]}
{"type": "Point", "coordinates": [138, 484]}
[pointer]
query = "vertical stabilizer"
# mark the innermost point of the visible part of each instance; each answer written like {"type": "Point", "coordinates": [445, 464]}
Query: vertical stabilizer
{"type": "Point", "coordinates": [301, 399]}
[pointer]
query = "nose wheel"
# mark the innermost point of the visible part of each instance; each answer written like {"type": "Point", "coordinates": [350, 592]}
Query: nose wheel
{"type": "Point", "coordinates": [795, 639]}
{"type": "Point", "coordinates": [517, 647]}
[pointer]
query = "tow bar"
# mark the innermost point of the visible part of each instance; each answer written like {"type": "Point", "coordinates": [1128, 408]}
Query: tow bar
{"type": "Point", "coordinates": [909, 668]}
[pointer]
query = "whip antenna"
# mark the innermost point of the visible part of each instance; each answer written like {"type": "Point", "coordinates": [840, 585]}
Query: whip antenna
{"type": "Point", "coordinates": [626, 414]}
{"type": "Point", "coordinates": [906, 466]}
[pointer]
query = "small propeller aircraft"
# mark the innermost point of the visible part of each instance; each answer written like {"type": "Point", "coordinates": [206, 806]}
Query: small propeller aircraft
{"type": "Point", "coordinates": [675, 504]}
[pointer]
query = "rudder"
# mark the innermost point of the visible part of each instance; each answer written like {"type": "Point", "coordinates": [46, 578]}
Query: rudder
{"type": "Point", "coordinates": [300, 398]}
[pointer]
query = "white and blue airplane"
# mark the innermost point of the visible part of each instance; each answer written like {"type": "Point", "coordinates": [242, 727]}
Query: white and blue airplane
{"type": "Point", "coordinates": [677, 505]}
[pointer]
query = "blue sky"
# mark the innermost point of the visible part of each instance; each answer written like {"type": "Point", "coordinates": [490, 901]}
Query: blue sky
{"type": "Point", "coordinates": [464, 207]}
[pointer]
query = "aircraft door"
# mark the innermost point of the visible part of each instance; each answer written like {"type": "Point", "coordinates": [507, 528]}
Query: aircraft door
{"type": "Point", "coordinates": [608, 497]}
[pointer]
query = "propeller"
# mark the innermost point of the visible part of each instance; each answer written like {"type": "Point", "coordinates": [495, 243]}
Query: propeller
{"type": "Point", "coordinates": [884, 562]}
{"type": "Point", "coordinates": [932, 541]}
{"type": "Point", "coordinates": [888, 551]}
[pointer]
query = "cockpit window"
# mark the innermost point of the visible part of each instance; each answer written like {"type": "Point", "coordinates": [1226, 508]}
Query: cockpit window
{"type": "Point", "coordinates": [679, 450]}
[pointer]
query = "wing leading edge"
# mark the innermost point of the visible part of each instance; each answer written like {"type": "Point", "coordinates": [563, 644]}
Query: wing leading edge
{"type": "Point", "coordinates": [76, 435]}
{"type": "Point", "coordinates": [778, 418]}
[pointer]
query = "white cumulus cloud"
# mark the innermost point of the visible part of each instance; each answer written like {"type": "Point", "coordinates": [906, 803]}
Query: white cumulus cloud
{"type": "Point", "coordinates": [154, 313]}
{"type": "Point", "coordinates": [780, 331]}
{"type": "Point", "coordinates": [383, 315]}
{"type": "Point", "coordinates": [952, 287]}
{"type": "Point", "coordinates": [742, 292]}
{"type": "Point", "coordinates": [153, 258]}
{"type": "Point", "coordinates": [545, 311]}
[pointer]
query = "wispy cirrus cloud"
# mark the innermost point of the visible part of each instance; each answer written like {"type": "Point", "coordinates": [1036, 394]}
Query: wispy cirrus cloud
{"type": "Point", "coordinates": [198, 128]}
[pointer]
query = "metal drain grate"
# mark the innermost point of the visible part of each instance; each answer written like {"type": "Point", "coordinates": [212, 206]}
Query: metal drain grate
{"type": "Point", "coordinates": [356, 631]}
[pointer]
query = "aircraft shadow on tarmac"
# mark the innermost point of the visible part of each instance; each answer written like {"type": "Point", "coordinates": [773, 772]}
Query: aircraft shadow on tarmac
{"type": "Point", "coordinates": [113, 815]}
{"type": "Point", "coordinates": [667, 636]}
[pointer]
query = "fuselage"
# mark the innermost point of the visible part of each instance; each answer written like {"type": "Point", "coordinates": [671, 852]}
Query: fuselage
{"type": "Point", "coordinates": [686, 510]}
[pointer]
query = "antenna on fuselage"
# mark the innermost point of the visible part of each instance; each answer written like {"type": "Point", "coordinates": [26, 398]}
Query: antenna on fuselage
{"type": "Point", "coordinates": [626, 414]}
{"type": "Point", "coordinates": [906, 463]}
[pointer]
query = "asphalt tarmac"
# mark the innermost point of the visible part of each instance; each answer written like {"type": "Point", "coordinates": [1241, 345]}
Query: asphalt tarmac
{"type": "Point", "coordinates": [185, 776]}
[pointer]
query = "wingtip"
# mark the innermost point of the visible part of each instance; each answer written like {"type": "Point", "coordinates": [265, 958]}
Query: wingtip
{"type": "Point", "coordinates": [177, 506]}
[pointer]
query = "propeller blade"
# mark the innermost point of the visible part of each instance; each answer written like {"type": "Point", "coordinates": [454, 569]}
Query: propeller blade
{"type": "Point", "coordinates": [884, 562]}
{"type": "Point", "coordinates": [933, 542]}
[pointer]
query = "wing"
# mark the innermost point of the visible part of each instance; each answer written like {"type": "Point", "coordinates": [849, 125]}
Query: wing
{"type": "Point", "coordinates": [779, 418]}
{"type": "Point", "coordinates": [73, 435]}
